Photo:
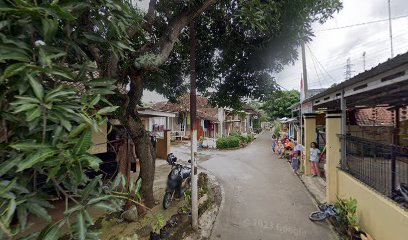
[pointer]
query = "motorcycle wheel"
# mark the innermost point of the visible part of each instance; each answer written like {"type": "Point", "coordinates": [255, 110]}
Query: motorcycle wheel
{"type": "Point", "coordinates": [167, 200]}
{"type": "Point", "coordinates": [317, 216]}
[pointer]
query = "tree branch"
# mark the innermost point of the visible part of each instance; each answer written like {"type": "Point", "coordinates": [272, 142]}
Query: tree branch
{"type": "Point", "coordinates": [150, 16]}
{"type": "Point", "coordinates": [63, 191]}
{"type": "Point", "coordinates": [162, 49]}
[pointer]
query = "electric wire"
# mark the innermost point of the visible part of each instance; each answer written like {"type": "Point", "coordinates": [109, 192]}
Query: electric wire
{"type": "Point", "coordinates": [360, 24]}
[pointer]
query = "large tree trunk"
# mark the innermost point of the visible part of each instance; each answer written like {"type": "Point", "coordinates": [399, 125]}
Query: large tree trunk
{"type": "Point", "coordinates": [144, 148]}
{"type": "Point", "coordinates": [123, 159]}
{"type": "Point", "coordinates": [130, 118]}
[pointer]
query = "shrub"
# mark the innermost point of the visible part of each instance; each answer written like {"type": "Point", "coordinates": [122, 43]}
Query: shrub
{"type": "Point", "coordinates": [347, 214]}
{"type": "Point", "coordinates": [228, 142]}
{"type": "Point", "coordinates": [243, 139]}
{"type": "Point", "coordinates": [250, 138]}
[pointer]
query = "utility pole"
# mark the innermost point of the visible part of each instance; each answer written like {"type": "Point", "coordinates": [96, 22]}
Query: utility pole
{"type": "Point", "coordinates": [304, 89]}
{"type": "Point", "coordinates": [305, 86]}
{"type": "Point", "coordinates": [390, 27]}
{"type": "Point", "coordinates": [364, 61]}
{"type": "Point", "coordinates": [193, 113]}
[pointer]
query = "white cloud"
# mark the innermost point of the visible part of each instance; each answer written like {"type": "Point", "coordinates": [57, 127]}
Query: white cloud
{"type": "Point", "coordinates": [332, 48]}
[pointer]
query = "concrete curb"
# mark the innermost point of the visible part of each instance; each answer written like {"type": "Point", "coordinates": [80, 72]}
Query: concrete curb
{"type": "Point", "coordinates": [208, 219]}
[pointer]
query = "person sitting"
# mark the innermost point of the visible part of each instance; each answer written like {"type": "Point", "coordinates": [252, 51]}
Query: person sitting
{"type": "Point", "coordinates": [296, 147]}
{"type": "Point", "coordinates": [287, 147]}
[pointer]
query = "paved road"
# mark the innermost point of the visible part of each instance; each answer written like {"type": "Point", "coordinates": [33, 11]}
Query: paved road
{"type": "Point", "coordinates": [263, 199]}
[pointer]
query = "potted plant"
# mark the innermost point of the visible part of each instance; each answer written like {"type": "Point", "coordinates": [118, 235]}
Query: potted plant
{"type": "Point", "coordinates": [347, 219]}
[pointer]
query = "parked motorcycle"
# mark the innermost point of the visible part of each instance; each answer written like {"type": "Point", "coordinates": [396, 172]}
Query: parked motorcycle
{"type": "Point", "coordinates": [178, 180]}
{"type": "Point", "coordinates": [401, 194]}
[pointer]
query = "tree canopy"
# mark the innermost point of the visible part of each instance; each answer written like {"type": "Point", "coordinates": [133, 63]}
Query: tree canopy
{"type": "Point", "coordinates": [240, 45]}
{"type": "Point", "coordinates": [64, 64]}
{"type": "Point", "coordinates": [53, 96]}
{"type": "Point", "coordinates": [278, 102]}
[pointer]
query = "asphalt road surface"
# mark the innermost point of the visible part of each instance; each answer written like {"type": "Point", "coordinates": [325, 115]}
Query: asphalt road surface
{"type": "Point", "coordinates": [263, 199]}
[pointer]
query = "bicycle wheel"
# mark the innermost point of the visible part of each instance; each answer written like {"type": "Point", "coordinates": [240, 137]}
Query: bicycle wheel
{"type": "Point", "coordinates": [317, 216]}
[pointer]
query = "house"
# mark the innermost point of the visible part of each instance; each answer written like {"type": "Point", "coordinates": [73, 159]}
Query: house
{"type": "Point", "coordinates": [291, 126]}
{"type": "Point", "coordinates": [207, 118]}
{"type": "Point", "coordinates": [211, 121]}
{"type": "Point", "coordinates": [366, 133]}
{"type": "Point", "coordinates": [157, 121]}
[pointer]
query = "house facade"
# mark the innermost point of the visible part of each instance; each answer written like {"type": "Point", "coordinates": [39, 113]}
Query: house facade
{"type": "Point", "coordinates": [211, 121]}
{"type": "Point", "coordinates": [366, 139]}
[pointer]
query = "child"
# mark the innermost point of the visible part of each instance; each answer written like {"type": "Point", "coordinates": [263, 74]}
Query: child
{"type": "Point", "coordinates": [296, 162]}
{"type": "Point", "coordinates": [314, 159]}
{"type": "Point", "coordinates": [274, 141]}
{"type": "Point", "coordinates": [287, 146]}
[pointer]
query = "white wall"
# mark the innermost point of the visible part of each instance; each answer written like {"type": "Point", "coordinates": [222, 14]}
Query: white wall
{"type": "Point", "coordinates": [157, 120]}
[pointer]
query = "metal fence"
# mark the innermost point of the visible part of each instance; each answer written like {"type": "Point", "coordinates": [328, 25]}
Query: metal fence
{"type": "Point", "coordinates": [380, 166]}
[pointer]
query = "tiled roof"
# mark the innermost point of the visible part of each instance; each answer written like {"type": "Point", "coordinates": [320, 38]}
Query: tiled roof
{"type": "Point", "coordinates": [204, 110]}
{"type": "Point", "coordinates": [378, 116]}
{"type": "Point", "coordinates": [208, 114]}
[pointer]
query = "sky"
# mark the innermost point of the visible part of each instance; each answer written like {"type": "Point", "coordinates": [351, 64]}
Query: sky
{"type": "Point", "coordinates": [327, 54]}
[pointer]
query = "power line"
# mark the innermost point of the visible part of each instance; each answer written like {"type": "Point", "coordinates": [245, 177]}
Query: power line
{"type": "Point", "coordinates": [318, 77]}
{"type": "Point", "coordinates": [320, 66]}
{"type": "Point", "coordinates": [372, 60]}
{"type": "Point", "coordinates": [360, 24]}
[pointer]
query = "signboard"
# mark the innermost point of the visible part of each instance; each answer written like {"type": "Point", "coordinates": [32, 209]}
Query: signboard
{"type": "Point", "coordinates": [307, 107]}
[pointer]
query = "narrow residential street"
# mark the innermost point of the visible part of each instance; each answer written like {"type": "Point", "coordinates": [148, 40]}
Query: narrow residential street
{"type": "Point", "coordinates": [263, 199]}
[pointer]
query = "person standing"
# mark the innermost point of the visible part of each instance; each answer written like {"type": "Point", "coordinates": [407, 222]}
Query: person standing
{"type": "Point", "coordinates": [296, 162]}
{"type": "Point", "coordinates": [314, 159]}
{"type": "Point", "coordinates": [274, 142]}
{"type": "Point", "coordinates": [297, 147]}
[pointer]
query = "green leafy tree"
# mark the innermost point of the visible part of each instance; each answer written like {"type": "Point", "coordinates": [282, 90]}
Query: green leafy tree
{"type": "Point", "coordinates": [239, 44]}
{"type": "Point", "coordinates": [53, 95]}
{"type": "Point", "coordinates": [278, 103]}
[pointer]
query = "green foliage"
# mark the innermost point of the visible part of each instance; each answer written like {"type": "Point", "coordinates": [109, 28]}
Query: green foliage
{"type": "Point", "coordinates": [347, 213]}
{"type": "Point", "coordinates": [243, 138]}
{"type": "Point", "coordinates": [250, 138]}
{"type": "Point", "coordinates": [277, 128]}
{"type": "Point", "coordinates": [240, 44]}
{"type": "Point", "coordinates": [186, 208]}
{"type": "Point", "coordinates": [157, 222]}
{"type": "Point", "coordinates": [278, 103]}
{"type": "Point", "coordinates": [234, 140]}
{"type": "Point", "coordinates": [53, 96]}
{"type": "Point", "coordinates": [228, 142]}
{"type": "Point", "coordinates": [202, 184]}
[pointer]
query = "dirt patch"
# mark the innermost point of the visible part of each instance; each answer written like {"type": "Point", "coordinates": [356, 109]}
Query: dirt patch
{"type": "Point", "coordinates": [175, 221]}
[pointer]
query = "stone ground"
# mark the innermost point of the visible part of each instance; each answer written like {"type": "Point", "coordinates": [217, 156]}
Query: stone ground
{"type": "Point", "coordinates": [263, 199]}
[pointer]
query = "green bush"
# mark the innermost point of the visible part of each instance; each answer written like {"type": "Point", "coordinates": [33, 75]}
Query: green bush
{"type": "Point", "coordinates": [228, 142]}
{"type": "Point", "coordinates": [243, 139]}
{"type": "Point", "coordinates": [250, 138]}
{"type": "Point", "coordinates": [234, 140]}
{"type": "Point", "coordinates": [347, 213]}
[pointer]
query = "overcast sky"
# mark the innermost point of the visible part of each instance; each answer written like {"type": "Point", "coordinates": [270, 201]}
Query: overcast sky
{"type": "Point", "coordinates": [328, 52]}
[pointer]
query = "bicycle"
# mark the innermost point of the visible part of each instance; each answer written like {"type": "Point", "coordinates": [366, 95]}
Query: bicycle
{"type": "Point", "coordinates": [326, 210]}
